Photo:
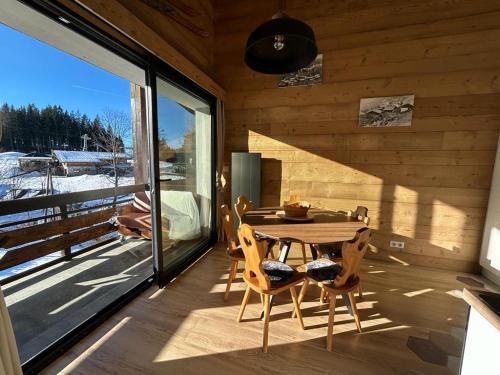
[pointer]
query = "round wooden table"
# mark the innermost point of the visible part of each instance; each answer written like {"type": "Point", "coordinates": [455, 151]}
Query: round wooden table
{"type": "Point", "coordinates": [326, 227]}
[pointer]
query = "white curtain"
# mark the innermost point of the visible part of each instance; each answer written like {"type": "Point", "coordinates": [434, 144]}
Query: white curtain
{"type": "Point", "coordinates": [204, 146]}
{"type": "Point", "coordinates": [221, 183]}
{"type": "Point", "coordinates": [9, 357]}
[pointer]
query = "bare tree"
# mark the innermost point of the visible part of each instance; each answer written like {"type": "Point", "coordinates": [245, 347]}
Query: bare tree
{"type": "Point", "coordinates": [115, 127]}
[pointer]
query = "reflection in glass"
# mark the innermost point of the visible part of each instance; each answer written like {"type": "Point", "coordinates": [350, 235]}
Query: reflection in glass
{"type": "Point", "coordinates": [184, 145]}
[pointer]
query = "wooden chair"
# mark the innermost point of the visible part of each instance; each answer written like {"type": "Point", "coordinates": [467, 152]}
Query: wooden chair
{"type": "Point", "coordinates": [241, 207]}
{"type": "Point", "coordinates": [335, 280]}
{"type": "Point", "coordinates": [233, 250]}
{"type": "Point", "coordinates": [361, 213]}
{"type": "Point", "coordinates": [333, 251]}
{"type": "Point", "coordinates": [134, 219]}
{"type": "Point", "coordinates": [266, 277]}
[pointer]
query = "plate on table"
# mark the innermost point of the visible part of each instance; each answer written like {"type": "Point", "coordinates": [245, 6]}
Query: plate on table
{"type": "Point", "coordinates": [281, 215]}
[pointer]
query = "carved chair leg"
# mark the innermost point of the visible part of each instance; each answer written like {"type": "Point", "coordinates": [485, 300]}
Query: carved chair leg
{"type": "Point", "coordinates": [232, 275]}
{"type": "Point", "coordinates": [246, 297]}
{"type": "Point", "coordinates": [354, 311]}
{"type": "Point", "coordinates": [322, 296]}
{"type": "Point", "coordinates": [331, 317]}
{"type": "Point", "coordinates": [302, 293]}
{"type": "Point", "coordinates": [293, 292]}
{"type": "Point", "coordinates": [266, 322]}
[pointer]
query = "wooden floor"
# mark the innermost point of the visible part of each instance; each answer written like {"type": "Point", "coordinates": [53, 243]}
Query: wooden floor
{"type": "Point", "coordinates": [186, 328]}
{"type": "Point", "coordinates": [47, 304]}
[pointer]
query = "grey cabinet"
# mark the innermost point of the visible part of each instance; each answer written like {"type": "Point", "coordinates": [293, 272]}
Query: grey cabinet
{"type": "Point", "coordinates": [245, 177]}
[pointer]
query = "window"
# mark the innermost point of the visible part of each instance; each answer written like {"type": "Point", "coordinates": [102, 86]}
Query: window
{"type": "Point", "coordinates": [185, 171]}
{"type": "Point", "coordinates": [71, 121]}
{"type": "Point", "coordinates": [79, 236]}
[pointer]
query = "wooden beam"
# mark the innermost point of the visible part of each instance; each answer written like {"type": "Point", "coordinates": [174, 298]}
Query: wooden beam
{"type": "Point", "coordinates": [116, 15]}
{"type": "Point", "coordinates": [38, 203]}
{"type": "Point", "coordinates": [37, 232]}
{"type": "Point", "coordinates": [140, 133]}
{"type": "Point", "coordinates": [39, 249]}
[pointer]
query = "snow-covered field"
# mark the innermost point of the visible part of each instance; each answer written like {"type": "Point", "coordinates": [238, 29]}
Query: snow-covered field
{"type": "Point", "coordinates": [11, 177]}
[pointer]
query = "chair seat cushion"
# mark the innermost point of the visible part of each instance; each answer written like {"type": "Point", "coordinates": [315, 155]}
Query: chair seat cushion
{"type": "Point", "coordinates": [323, 270]}
{"type": "Point", "coordinates": [331, 251]}
{"type": "Point", "coordinates": [278, 272]}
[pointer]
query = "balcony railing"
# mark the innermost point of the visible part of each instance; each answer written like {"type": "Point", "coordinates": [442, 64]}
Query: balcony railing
{"type": "Point", "coordinates": [61, 222]}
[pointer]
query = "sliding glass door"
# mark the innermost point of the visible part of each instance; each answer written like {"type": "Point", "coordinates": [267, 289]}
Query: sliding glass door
{"type": "Point", "coordinates": [184, 176]}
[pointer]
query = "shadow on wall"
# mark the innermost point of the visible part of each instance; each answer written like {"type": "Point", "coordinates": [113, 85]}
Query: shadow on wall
{"type": "Point", "coordinates": [436, 207]}
{"type": "Point", "coordinates": [271, 192]}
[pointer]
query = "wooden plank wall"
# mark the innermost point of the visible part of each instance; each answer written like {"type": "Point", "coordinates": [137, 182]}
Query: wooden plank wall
{"type": "Point", "coordinates": [198, 49]}
{"type": "Point", "coordinates": [190, 54]}
{"type": "Point", "coordinates": [426, 185]}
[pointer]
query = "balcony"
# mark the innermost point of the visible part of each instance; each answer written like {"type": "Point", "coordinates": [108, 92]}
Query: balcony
{"type": "Point", "coordinates": [63, 262]}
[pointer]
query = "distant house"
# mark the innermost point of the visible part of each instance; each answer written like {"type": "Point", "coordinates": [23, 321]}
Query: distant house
{"type": "Point", "coordinates": [34, 161]}
{"type": "Point", "coordinates": [74, 163]}
{"type": "Point", "coordinates": [405, 108]}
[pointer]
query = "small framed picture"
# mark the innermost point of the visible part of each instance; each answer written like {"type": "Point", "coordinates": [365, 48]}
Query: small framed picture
{"type": "Point", "coordinates": [386, 111]}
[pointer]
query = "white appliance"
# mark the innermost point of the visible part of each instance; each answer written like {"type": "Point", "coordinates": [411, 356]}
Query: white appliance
{"type": "Point", "coordinates": [490, 249]}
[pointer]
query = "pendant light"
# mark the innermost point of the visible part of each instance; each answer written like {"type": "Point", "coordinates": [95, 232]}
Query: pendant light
{"type": "Point", "coordinates": [280, 45]}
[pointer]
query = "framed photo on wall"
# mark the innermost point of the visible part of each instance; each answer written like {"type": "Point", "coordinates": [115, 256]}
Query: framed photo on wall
{"type": "Point", "coordinates": [310, 75]}
{"type": "Point", "coordinates": [386, 111]}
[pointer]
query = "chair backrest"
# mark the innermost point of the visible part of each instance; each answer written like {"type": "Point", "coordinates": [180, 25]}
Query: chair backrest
{"type": "Point", "coordinates": [255, 253]}
{"type": "Point", "coordinates": [352, 253]}
{"type": "Point", "coordinates": [227, 223]}
{"type": "Point", "coordinates": [242, 206]}
{"type": "Point", "coordinates": [360, 212]}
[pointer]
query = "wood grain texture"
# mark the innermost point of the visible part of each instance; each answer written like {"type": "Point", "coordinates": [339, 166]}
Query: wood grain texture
{"type": "Point", "coordinates": [427, 184]}
{"type": "Point", "coordinates": [327, 226]}
{"type": "Point", "coordinates": [186, 328]}
{"type": "Point", "coordinates": [38, 232]}
{"type": "Point", "coordinates": [39, 249]}
{"type": "Point", "coordinates": [186, 52]}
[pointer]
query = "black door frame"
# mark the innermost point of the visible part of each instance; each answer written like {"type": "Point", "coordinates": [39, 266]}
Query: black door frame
{"type": "Point", "coordinates": [153, 67]}
{"type": "Point", "coordinates": [159, 69]}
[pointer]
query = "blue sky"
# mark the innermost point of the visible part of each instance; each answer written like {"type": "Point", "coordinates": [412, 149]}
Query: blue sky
{"type": "Point", "coordinates": [34, 72]}
{"type": "Point", "coordinates": [173, 121]}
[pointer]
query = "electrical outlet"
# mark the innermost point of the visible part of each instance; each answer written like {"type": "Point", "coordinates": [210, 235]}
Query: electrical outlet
{"type": "Point", "coordinates": [397, 244]}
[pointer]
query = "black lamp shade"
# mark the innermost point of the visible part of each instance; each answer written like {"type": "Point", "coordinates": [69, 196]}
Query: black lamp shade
{"type": "Point", "coordinates": [298, 48]}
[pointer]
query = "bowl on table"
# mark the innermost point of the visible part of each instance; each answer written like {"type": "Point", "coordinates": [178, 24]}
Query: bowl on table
{"type": "Point", "coordinates": [296, 209]}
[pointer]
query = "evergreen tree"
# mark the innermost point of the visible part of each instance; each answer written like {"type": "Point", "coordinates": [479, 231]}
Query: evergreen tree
{"type": "Point", "coordinates": [28, 128]}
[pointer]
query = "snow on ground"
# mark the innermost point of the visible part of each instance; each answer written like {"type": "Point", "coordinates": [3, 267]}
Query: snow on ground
{"type": "Point", "coordinates": [61, 185]}
{"type": "Point", "coordinates": [34, 182]}
{"type": "Point", "coordinates": [9, 164]}
{"type": "Point", "coordinates": [84, 182]}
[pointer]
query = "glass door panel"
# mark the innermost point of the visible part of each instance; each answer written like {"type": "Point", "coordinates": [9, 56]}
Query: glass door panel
{"type": "Point", "coordinates": [185, 172]}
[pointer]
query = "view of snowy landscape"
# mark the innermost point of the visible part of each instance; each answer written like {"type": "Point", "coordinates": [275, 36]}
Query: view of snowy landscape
{"type": "Point", "coordinates": [59, 104]}
{"type": "Point", "coordinates": [13, 180]}
{"type": "Point", "coordinates": [66, 127]}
